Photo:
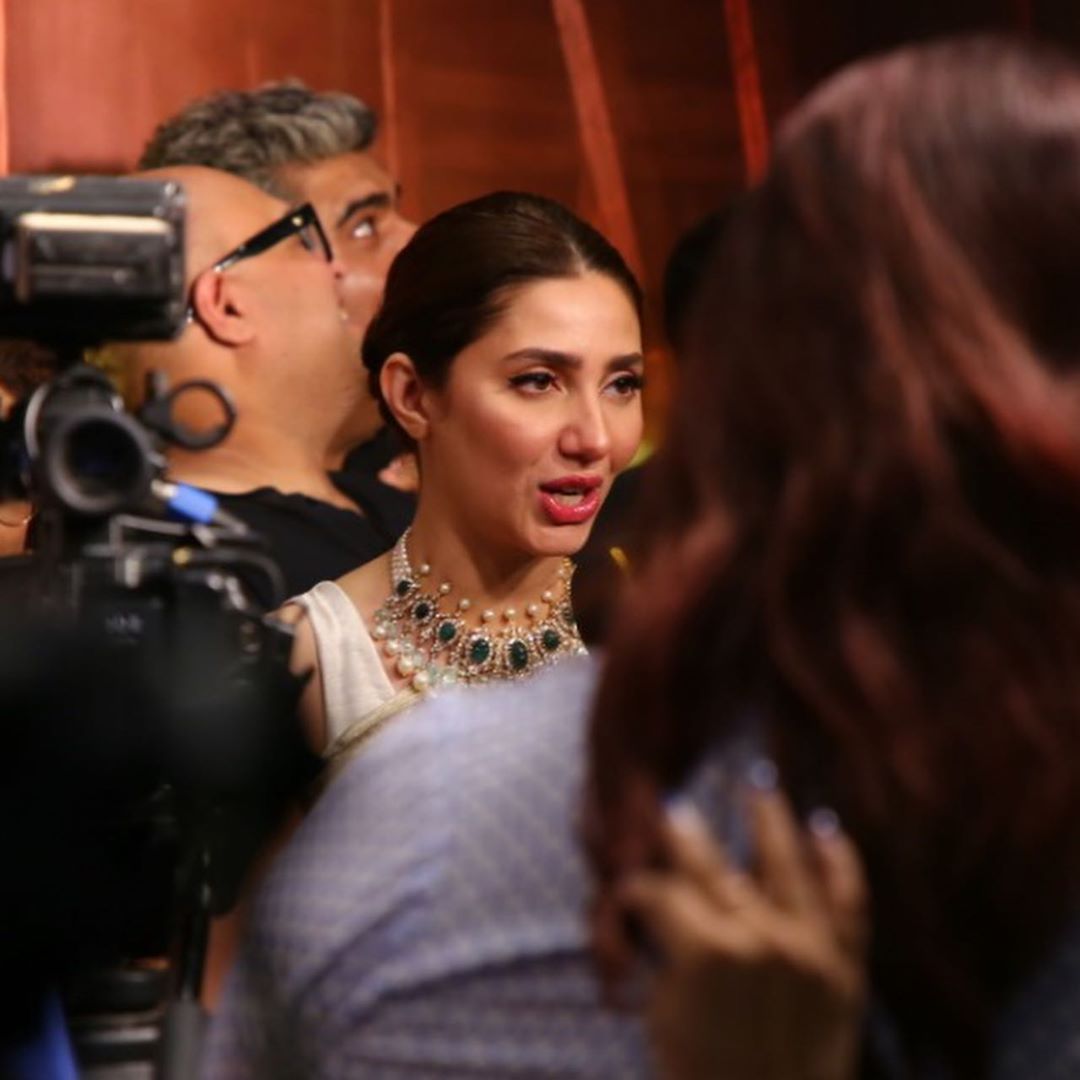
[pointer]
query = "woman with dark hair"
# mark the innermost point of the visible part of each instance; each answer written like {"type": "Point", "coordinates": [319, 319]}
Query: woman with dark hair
{"type": "Point", "coordinates": [862, 595]}
{"type": "Point", "coordinates": [865, 560]}
{"type": "Point", "coordinates": [507, 352]}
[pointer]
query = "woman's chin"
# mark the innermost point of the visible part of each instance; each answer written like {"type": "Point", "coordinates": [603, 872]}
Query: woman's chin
{"type": "Point", "coordinates": [560, 541]}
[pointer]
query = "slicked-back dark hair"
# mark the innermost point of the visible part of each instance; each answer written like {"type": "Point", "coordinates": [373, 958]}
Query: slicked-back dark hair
{"type": "Point", "coordinates": [454, 277]}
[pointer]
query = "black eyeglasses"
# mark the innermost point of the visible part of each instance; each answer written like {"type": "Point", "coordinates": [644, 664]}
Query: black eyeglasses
{"type": "Point", "coordinates": [302, 222]}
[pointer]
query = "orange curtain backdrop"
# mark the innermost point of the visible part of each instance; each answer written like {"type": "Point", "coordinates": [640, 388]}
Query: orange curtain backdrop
{"type": "Point", "coordinates": [472, 94]}
{"type": "Point", "coordinates": [627, 112]}
{"type": "Point", "coordinates": [87, 80]}
{"type": "Point", "coordinates": [388, 122]}
{"type": "Point", "coordinates": [746, 75]}
{"type": "Point", "coordinates": [3, 90]}
{"type": "Point", "coordinates": [599, 146]}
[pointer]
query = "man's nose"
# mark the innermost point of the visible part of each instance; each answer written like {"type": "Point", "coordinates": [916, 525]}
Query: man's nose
{"type": "Point", "coordinates": [337, 267]}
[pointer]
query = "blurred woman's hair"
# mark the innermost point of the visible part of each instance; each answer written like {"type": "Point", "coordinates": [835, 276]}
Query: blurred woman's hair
{"type": "Point", "coordinates": [686, 268]}
{"type": "Point", "coordinates": [457, 274]}
{"type": "Point", "coordinates": [866, 521]}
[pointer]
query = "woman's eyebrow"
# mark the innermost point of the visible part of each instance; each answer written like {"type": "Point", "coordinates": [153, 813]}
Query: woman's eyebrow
{"type": "Point", "coordinates": [545, 356]}
{"type": "Point", "coordinates": [571, 360]}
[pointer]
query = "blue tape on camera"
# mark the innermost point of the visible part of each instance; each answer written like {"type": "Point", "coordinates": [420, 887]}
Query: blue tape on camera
{"type": "Point", "coordinates": [193, 504]}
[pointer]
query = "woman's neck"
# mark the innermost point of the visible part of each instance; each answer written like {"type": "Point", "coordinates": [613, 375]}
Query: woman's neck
{"type": "Point", "coordinates": [491, 578]}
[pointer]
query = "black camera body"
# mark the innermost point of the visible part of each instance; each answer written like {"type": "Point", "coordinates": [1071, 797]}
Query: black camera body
{"type": "Point", "coordinates": [91, 259]}
{"type": "Point", "coordinates": [84, 261]}
{"type": "Point", "coordinates": [150, 712]}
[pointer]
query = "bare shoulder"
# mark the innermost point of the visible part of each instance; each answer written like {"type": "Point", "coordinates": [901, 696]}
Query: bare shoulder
{"type": "Point", "coordinates": [304, 661]}
{"type": "Point", "coordinates": [303, 654]}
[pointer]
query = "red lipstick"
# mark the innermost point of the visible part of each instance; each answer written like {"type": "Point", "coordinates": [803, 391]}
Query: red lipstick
{"type": "Point", "coordinates": [571, 500]}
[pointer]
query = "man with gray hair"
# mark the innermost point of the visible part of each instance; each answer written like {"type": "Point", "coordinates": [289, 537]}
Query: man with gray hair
{"type": "Point", "coordinates": [303, 146]}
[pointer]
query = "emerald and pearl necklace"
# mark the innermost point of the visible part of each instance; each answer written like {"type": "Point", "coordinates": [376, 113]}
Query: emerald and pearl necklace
{"type": "Point", "coordinates": [426, 636]}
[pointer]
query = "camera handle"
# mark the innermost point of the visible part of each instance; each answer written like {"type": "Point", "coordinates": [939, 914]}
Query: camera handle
{"type": "Point", "coordinates": [185, 1021]}
{"type": "Point", "coordinates": [157, 412]}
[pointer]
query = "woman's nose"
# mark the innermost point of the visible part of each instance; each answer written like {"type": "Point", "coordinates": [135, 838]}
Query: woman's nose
{"type": "Point", "coordinates": [586, 437]}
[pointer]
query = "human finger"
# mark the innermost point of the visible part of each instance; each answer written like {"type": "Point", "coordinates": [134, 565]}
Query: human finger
{"type": "Point", "coordinates": [843, 882]}
{"type": "Point", "coordinates": [780, 857]}
{"type": "Point", "coordinates": [680, 918]}
{"type": "Point", "coordinates": [692, 849]}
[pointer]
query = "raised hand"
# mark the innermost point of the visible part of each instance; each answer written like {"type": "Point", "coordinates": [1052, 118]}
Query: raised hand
{"type": "Point", "coordinates": [763, 972]}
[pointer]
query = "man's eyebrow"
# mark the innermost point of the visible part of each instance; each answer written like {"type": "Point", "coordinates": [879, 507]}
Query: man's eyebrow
{"type": "Point", "coordinates": [571, 360]}
{"type": "Point", "coordinates": [377, 200]}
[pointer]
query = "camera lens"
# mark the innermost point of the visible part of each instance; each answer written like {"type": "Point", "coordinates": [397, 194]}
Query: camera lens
{"type": "Point", "coordinates": [97, 462]}
{"type": "Point", "coordinates": [101, 458]}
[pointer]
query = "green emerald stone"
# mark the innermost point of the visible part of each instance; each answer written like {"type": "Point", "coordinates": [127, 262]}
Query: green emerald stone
{"type": "Point", "coordinates": [479, 650]}
{"type": "Point", "coordinates": [447, 632]}
{"type": "Point", "coordinates": [403, 587]}
{"type": "Point", "coordinates": [550, 640]}
{"type": "Point", "coordinates": [519, 655]}
{"type": "Point", "coordinates": [422, 610]}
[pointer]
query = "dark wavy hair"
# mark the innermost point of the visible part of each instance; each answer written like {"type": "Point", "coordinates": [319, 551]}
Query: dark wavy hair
{"type": "Point", "coordinates": [866, 521]}
{"type": "Point", "coordinates": [457, 273]}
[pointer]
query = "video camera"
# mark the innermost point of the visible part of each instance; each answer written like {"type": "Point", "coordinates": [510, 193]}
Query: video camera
{"type": "Point", "coordinates": [151, 736]}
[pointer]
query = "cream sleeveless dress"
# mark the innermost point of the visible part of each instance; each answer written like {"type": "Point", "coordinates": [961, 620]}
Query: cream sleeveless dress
{"type": "Point", "coordinates": [358, 696]}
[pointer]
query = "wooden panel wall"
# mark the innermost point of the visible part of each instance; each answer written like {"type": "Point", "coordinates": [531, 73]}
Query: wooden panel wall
{"type": "Point", "coordinates": [483, 101]}
{"type": "Point", "coordinates": [476, 94]}
{"type": "Point", "coordinates": [88, 79]}
{"type": "Point", "coordinates": [478, 91]}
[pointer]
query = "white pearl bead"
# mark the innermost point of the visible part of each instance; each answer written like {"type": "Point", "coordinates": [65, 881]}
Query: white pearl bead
{"type": "Point", "coordinates": [547, 596]}
{"type": "Point", "coordinates": [532, 610]}
{"type": "Point", "coordinates": [379, 633]}
{"type": "Point", "coordinates": [487, 615]}
{"type": "Point", "coordinates": [444, 588]}
{"type": "Point", "coordinates": [424, 569]}
{"type": "Point", "coordinates": [464, 604]}
{"type": "Point", "coordinates": [392, 647]}
{"type": "Point", "coordinates": [421, 681]}
{"type": "Point", "coordinates": [405, 665]}
{"type": "Point", "coordinates": [510, 614]}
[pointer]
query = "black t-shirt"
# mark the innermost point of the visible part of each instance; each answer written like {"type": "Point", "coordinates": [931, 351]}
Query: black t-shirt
{"type": "Point", "coordinates": [310, 540]}
{"type": "Point", "coordinates": [315, 541]}
{"type": "Point", "coordinates": [390, 510]}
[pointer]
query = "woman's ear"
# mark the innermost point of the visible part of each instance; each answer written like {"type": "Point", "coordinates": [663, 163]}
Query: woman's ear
{"type": "Point", "coordinates": [220, 309]}
{"type": "Point", "coordinates": [405, 395]}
